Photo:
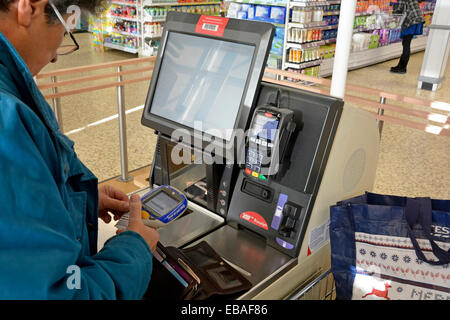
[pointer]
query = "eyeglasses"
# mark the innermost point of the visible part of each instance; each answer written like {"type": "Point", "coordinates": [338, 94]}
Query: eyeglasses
{"type": "Point", "coordinates": [66, 49]}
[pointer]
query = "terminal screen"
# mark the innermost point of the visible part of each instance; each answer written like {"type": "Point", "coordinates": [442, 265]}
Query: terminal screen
{"type": "Point", "coordinates": [161, 204]}
{"type": "Point", "coordinates": [201, 82]}
{"type": "Point", "coordinates": [265, 127]}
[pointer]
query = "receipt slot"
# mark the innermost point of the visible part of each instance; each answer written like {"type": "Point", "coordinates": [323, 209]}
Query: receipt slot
{"type": "Point", "coordinates": [260, 164]}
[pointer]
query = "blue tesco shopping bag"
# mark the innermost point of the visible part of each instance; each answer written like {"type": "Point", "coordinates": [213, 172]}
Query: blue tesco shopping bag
{"type": "Point", "coordinates": [389, 247]}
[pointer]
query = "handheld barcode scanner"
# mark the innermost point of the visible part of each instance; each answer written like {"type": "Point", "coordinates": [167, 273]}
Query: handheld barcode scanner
{"type": "Point", "coordinates": [160, 207]}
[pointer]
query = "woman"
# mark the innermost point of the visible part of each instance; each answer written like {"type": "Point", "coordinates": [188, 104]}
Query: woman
{"type": "Point", "coordinates": [411, 26]}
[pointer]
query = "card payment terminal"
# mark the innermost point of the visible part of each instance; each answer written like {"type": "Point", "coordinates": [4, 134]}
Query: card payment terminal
{"type": "Point", "coordinates": [160, 206]}
{"type": "Point", "coordinates": [269, 134]}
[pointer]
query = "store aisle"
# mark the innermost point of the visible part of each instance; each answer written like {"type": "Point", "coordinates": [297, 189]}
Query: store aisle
{"type": "Point", "coordinates": [411, 163]}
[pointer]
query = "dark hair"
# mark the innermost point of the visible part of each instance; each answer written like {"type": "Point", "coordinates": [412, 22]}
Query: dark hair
{"type": "Point", "coordinates": [62, 5]}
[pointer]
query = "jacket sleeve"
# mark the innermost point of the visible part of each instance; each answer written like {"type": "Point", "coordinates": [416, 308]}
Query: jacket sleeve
{"type": "Point", "coordinates": [41, 255]}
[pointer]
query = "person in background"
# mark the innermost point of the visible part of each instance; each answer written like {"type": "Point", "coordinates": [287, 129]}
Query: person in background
{"type": "Point", "coordinates": [412, 25]}
{"type": "Point", "coordinates": [49, 201]}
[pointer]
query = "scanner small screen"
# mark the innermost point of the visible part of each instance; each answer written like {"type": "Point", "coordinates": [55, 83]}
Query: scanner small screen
{"type": "Point", "coordinates": [265, 127]}
{"type": "Point", "coordinates": [201, 82]}
{"type": "Point", "coordinates": [161, 204]}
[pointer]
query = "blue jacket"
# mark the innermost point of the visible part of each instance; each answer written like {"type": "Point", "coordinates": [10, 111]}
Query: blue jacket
{"type": "Point", "coordinates": [49, 207]}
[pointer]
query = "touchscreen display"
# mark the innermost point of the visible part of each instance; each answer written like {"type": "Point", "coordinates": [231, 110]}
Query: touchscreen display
{"type": "Point", "coordinates": [201, 82]}
{"type": "Point", "coordinates": [161, 204]}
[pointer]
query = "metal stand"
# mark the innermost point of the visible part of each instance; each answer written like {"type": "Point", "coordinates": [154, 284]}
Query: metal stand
{"type": "Point", "coordinates": [56, 105]}
{"type": "Point", "coordinates": [380, 113]}
{"type": "Point", "coordinates": [124, 176]}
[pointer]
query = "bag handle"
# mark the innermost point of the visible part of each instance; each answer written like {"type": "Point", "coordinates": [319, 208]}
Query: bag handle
{"type": "Point", "coordinates": [419, 211]}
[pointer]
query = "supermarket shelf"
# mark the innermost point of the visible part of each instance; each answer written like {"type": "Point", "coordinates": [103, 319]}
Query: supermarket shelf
{"type": "Point", "coordinates": [124, 3]}
{"type": "Point", "coordinates": [303, 65]}
{"type": "Point", "coordinates": [123, 18]}
{"type": "Point", "coordinates": [118, 47]}
{"type": "Point", "coordinates": [152, 36]}
{"type": "Point", "coordinates": [176, 4]}
{"type": "Point", "coordinates": [309, 44]}
{"type": "Point", "coordinates": [153, 19]}
{"type": "Point", "coordinates": [373, 56]}
{"type": "Point", "coordinates": [312, 3]}
{"type": "Point", "coordinates": [364, 29]}
{"type": "Point", "coordinates": [307, 25]}
{"type": "Point", "coordinates": [125, 33]}
{"type": "Point", "coordinates": [262, 2]}
{"type": "Point", "coordinates": [331, 13]}
{"type": "Point", "coordinates": [359, 14]}
{"type": "Point", "coordinates": [322, 27]}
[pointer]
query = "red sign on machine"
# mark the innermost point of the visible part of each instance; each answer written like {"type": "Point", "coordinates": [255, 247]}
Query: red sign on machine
{"type": "Point", "coordinates": [214, 26]}
{"type": "Point", "coordinates": [254, 218]}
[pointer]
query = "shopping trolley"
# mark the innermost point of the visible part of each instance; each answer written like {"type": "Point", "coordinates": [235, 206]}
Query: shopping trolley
{"type": "Point", "coordinates": [319, 288]}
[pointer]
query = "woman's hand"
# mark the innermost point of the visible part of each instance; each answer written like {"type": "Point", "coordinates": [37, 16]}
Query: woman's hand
{"type": "Point", "coordinates": [112, 200]}
{"type": "Point", "coordinates": [150, 235]}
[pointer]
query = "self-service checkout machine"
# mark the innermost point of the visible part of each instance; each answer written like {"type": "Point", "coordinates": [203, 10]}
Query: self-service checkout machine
{"type": "Point", "coordinates": [259, 163]}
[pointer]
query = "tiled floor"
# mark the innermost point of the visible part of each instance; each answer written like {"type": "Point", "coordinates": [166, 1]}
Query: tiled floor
{"type": "Point", "coordinates": [411, 163]}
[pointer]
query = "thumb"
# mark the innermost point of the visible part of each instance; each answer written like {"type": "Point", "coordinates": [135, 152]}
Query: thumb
{"type": "Point", "coordinates": [135, 210]}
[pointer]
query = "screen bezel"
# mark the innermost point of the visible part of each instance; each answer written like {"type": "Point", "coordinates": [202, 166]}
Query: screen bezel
{"type": "Point", "coordinates": [257, 34]}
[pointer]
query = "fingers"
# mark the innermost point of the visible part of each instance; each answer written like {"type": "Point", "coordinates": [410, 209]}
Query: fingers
{"type": "Point", "coordinates": [115, 205]}
{"type": "Point", "coordinates": [118, 194]}
{"type": "Point", "coordinates": [135, 210]}
{"type": "Point", "coordinates": [112, 199]}
{"type": "Point", "coordinates": [150, 235]}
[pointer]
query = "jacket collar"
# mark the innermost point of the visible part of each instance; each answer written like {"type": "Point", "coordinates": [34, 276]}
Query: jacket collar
{"type": "Point", "coordinates": [19, 82]}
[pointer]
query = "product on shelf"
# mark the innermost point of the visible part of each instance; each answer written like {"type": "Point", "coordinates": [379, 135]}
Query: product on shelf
{"type": "Point", "coordinates": [277, 43]}
{"type": "Point", "coordinates": [364, 41]}
{"type": "Point", "coordinates": [303, 55]}
{"type": "Point", "coordinates": [150, 47]}
{"type": "Point", "coordinates": [126, 2]}
{"type": "Point", "coordinates": [174, 2]}
{"type": "Point", "coordinates": [307, 15]}
{"type": "Point", "coordinates": [266, 13]}
{"type": "Point", "coordinates": [155, 12]}
{"type": "Point", "coordinates": [427, 6]}
{"type": "Point", "coordinates": [370, 5]}
{"type": "Point", "coordinates": [329, 34]}
{"type": "Point", "coordinates": [210, 10]}
{"type": "Point", "coordinates": [274, 14]}
{"type": "Point", "coordinates": [123, 11]}
{"type": "Point", "coordinates": [299, 35]}
{"type": "Point", "coordinates": [332, 7]}
{"type": "Point", "coordinates": [126, 26]}
{"type": "Point", "coordinates": [127, 42]}
{"type": "Point", "coordinates": [332, 20]}
{"type": "Point", "coordinates": [327, 51]}
{"type": "Point", "coordinates": [277, 15]}
{"type": "Point", "coordinates": [152, 29]}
